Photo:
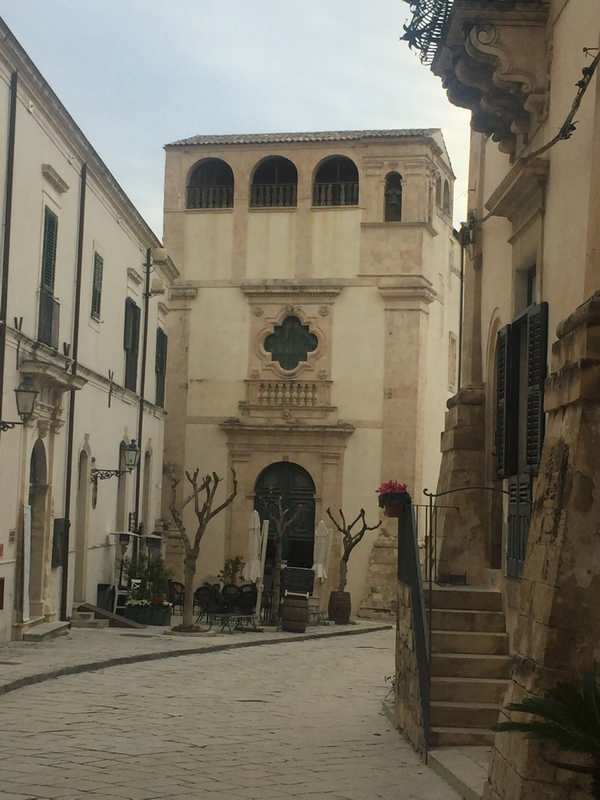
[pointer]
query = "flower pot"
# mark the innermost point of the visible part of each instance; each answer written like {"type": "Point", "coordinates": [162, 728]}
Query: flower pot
{"type": "Point", "coordinates": [394, 505]}
{"type": "Point", "coordinates": [139, 614]}
{"type": "Point", "coordinates": [339, 607]}
{"type": "Point", "coordinates": [159, 616]}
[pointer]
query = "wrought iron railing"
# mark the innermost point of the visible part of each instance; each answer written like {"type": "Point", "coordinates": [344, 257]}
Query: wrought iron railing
{"type": "Point", "coordinates": [269, 195]}
{"type": "Point", "coordinates": [209, 197]}
{"type": "Point", "coordinates": [338, 193]}
{"type": "Point", "coordinates": [48, 320]}
{"type": "Point", "coordinates": [427, 27]}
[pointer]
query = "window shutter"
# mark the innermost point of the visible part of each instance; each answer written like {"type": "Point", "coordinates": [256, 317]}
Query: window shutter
{"type": "Point", "coordinates": [131, 333]}
{"type": "Point", "coordinates": [506, 401]}
{"type": "Point", "coordinates": [97, 285]}
{"type": "Point", "coordinates": [537, 339]}
{"type": "Point", "coordinates": [49, 250]}
{"type": "Point", "coordinates": [160, 366]}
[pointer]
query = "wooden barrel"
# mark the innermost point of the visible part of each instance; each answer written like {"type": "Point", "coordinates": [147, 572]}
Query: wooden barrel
{"type": "Point", "coordinates": [294, 613]}
{"type": "Point", "coordinates": [339, 607]}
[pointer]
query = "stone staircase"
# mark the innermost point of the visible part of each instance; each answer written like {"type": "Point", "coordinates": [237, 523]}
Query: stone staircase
{"type": "Point", "coordinates": [82, 618]}
{"type": "Point", "coordinates": [470, 665]}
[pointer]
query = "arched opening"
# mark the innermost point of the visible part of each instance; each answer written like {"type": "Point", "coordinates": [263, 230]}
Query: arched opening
{"type": "Point", "coordinates": [35, 532]}
{"type": "Point", "coordinates": [446, 198]}
{"type": "Point", "coordinates": [393, 197]}
{"type": "Point", "coordinates": [336, 183]}
{"type": "Point", "coordinates": [438, 191]}
{"type": "Point", "coordinates": [210, 185]}
{"type": "Point", "coordinates": [81, 528]}
{"type": "Point", "coordinates": [275, 183]}
{"type": "Point", "coordinates": [296, 488]}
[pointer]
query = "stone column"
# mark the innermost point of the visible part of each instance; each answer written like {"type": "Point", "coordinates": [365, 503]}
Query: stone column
{"type": "Point", "coordinates": [558, 629]}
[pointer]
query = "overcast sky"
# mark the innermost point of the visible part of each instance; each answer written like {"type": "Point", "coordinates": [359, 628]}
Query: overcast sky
{"type": "Point", "coordinates": [137, 74]}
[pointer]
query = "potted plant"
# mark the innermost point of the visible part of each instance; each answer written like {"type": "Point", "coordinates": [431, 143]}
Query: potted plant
{"type": "Point", "coordinates": [148, 586]}
{"type": "Point", "coordinates": [340, 600]}
{"type": "Point", "coordinates": [160, 611]}
{"type": "Point", "coordinates": [393, 498]}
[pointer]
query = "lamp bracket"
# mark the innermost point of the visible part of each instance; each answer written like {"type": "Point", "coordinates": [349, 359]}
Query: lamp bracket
{"type": "Point", "coordinates": [7, 426]}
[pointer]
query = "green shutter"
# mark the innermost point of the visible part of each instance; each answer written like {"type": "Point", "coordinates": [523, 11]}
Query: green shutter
{"type": "Point", "coordinates": [537, 340]}
{"type": "Point", "coordinates": [160, 366]}
{"type": "Point", "coordinates": [97, 285]}
{"type": "Point", "coordinates": [507, 354]}
{"type": "Point", "coordinates": [49, 250]}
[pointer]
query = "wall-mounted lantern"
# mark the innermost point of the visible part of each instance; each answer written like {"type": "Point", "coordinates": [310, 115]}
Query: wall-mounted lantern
{"type": "Point", "coordinates": [25, 395]}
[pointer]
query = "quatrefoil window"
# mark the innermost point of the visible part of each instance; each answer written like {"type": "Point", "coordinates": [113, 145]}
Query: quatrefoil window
{"type": "Point", "coordinates": [290, 343]}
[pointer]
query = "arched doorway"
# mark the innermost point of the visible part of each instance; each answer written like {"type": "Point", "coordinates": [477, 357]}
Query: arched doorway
{"type": "Point", "coordinates": [81, 528]}
{"type": "Point", "coordinates": [297, 489]}
{"type": "Point", "coordinates": [38, 488]}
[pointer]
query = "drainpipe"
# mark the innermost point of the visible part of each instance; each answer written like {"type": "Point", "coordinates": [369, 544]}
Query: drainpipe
{"type": "Point", "coordinates": [64, 615]}
{"type": "Point", "coordinates": [138, 474]}
{"type": "Point", "coordinates": [464, 239]}
{"type": "Point", "coordinates": [8, 195]}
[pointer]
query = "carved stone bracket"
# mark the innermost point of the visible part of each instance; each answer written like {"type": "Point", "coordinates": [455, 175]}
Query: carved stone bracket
{"type": "Point", "coordinates": [495, 62]}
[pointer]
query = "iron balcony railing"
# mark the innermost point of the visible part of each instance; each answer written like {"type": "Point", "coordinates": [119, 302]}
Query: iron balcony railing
{"type": "Point", "coordinates": [427, 27]}
{"type": "Point", "coordinates": [48, 320]}
{"type": "Point", "coordinates": [338, 193]}
{"type": "Point", "coordinates": [266, 195]}
{"type": "Point", "coordinates": [209, 197]}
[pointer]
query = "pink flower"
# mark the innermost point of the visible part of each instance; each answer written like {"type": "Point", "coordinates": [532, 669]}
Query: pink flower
{"type": "Point", "coordinates": [391, 487]}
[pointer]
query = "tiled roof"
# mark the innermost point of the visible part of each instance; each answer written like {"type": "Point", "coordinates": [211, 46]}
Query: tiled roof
{"type": "Point", "coordinates": [314, 136]}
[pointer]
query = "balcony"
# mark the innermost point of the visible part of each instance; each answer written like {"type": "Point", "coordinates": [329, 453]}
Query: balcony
{"type": "Point", "coordinates": [49, 318]}
{"type": "Point", "coordinates": [267, 195]}
{"type": "Point", "coordinates": [492, 58]}
{"type": "Point", "coordinates": [338, 193]}
{"type": "Point", "coordinates": [209, 197]}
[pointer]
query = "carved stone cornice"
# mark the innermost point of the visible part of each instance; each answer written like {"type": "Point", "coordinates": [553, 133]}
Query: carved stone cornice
{"type": "Point", "coordinates": [494, 60]}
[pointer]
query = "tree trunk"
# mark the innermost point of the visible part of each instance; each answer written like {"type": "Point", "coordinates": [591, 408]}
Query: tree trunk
{"type": "Point", "coordinates": [343, 574]}
{"type": "Point", "coordinates": [188, 593]}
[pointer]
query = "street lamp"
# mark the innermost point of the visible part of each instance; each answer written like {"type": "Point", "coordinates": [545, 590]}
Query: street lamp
{"type": "Point", "coordinates": [25, 395]}
{"type": "Point", "coordinates": [131, 455]}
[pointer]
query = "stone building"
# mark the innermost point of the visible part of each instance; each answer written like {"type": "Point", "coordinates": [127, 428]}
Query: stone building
{"type": "Point", "coordinates": [525, 422]}
{"type": "Point", "coordinates": [313, 329]}
{"type": "Point", "coordinates": [79, 328]}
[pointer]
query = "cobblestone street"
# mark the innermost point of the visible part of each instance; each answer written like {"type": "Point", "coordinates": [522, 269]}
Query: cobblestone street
{"type": "Point", "coordinates": [291, 720]}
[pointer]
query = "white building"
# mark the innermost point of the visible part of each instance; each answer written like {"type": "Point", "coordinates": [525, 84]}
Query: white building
{"type": "Point", "coordinates": [80, 324]}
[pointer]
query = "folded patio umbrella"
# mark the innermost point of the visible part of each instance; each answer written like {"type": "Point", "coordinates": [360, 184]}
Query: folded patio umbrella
{"type": "Point", "coordinates": [321, 551]}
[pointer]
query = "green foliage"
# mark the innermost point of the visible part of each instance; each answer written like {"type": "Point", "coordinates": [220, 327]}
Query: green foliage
{"type": "Point", "coordinates": [569, 717]}
{"type": "Point", "coordinates": [234, 567]}
{"type": "Point", "coordinates": [147, 576]}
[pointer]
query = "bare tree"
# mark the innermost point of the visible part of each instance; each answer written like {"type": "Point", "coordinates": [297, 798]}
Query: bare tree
{"type": "Point", "coordinates": [349, 541]}
{"type": "Point", "coordinates": [281, 519]}
{"type": "Point", "coordinates": [202, 495]}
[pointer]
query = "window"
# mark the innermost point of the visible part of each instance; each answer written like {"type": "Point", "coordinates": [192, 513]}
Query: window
{"type": "Point", "coordinates": [210, 185]}
{"type": "Point", "coordinates": [131, 338]}
{"type": "Point", "coordinates": [290, 343]}
{"type": "Point", "coordinates": [97, 286]}
{"type": "Point", "coordinates": [160, 366]}
{"type": "Point", "coordinates": [452, 360]}
{"type": "Point", "coordinates": [446, 198]}
{"type": "Point", "coordinates": [393, 197]}
{"type": "Point", "coordinates": [336, 183]}
{"type": "Point", "coordinates": [275, 183]}
{"type": "Point", "coordinates": [48, 320]}
{"type": "Point", "coordinates": [520, 375]}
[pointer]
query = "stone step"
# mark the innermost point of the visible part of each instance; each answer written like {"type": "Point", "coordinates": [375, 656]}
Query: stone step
{"type": "Point", "coordinates": [464, 768]}
{"type": "Point", "coordinates": [45, 630]}
{"type": "Point", "coordinates": [460, 737]}
{"type": "Point", "coordinates": [463, 715]}
{"type": "Point", "coordinates": [480, 621]}
{"type": "Point", "coordinates": [469, 642]}
{"type": "Point", "coordinates": [470, 665]}
{"type": "Point", "coordinates": [471, 598]}
{"type": "Point", "coordinates": [467, 690]}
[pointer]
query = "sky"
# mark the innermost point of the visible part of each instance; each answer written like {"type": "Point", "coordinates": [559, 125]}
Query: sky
{"type": "Point", "coordinates": [138, 74]}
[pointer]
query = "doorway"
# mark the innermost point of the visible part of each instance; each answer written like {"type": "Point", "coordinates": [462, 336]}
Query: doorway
{"type": "Point", "coordinates": [293, 484]}
{"type": "Point", "coordinates": [38, 488]}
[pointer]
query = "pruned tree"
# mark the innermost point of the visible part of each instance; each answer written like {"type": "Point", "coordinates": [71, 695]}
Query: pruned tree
{"type": "Point", "coordinates": [281, 518]}
{"type": "Point", "coordinates": [349, 539]}
{"type": "Point", "coordinates": [202, 495]}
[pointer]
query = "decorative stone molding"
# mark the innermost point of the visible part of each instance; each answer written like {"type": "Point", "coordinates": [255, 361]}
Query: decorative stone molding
{"type": "Point", "coordinates": [407, 292]}
{"type": "Point", "coordinates": [495, 61]}
{"type": "Point", "coordinates": [54, 179]}
{"type": "Point", "coordinates": [522, 188]}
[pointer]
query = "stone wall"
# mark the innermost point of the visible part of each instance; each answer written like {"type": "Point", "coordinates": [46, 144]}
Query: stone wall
{"type": "Point", "coordinates": [407, 701]}
{"type": "Point", "coordinates": [382, 581]}
{"type": "Point", "coordinates": [558, 629]}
